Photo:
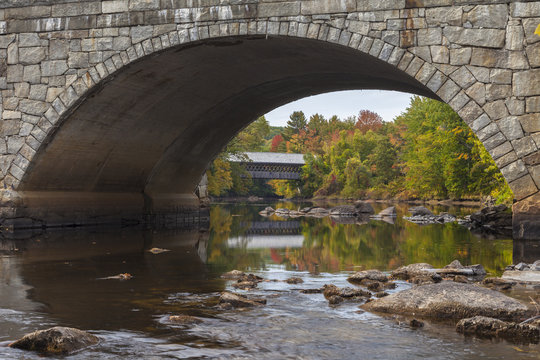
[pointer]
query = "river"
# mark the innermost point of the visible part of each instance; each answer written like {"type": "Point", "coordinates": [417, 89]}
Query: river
{"type": "Point", "coordinates": [60, 278]}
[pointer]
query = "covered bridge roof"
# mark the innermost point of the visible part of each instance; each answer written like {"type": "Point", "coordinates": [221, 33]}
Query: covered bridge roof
{"type": "Point", "coordinates": [272, 158]}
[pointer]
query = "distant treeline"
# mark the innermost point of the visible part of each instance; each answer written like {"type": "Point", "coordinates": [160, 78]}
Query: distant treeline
{"type": "Point", "coordinates": [427, 152]}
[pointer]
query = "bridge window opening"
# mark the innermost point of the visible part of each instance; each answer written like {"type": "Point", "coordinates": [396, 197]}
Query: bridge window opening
{"type": "Point", "coordinates": [362, 144]}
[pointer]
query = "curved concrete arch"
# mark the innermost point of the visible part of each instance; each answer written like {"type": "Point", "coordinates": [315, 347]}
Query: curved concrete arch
{"type": "Point", "coordinates": [55, 158]}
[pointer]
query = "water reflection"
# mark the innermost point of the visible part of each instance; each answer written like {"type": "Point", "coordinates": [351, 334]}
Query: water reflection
{"type": "Point", "coordinates": [336, 244]}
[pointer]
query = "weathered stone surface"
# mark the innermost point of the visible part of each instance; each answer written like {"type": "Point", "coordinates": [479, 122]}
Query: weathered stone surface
{"type": "Point", "coordinates": [524, 146]}
{"type": "Point", "coordinates": [493, 38]}
{"type": "Point", "coordinates": [530, 122]}
{"type": "Point", "coordinates": [488, 16]}
{"type": "Point", "coordinates": [526, 83]}
{"type": "Point", "coordinates": [239, 301]}
{"type": "Point", "coordinates": [490, 327]}
{"type": "Point", "coordinates": [511, 127]}
{"type": "Point", "coordinates": [56, 341]}
{"type": "Point", "coordinates": [450, 300]}
{"type": "Point", "coordinates": [522, 188]}
{"type": "Point", "coordinates": [375, 275]}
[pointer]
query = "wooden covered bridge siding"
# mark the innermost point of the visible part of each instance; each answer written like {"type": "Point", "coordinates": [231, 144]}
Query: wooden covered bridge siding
{"type": "Point", "coordinates": [116, 107]}
{"type": "Point", "coordinates": [279, 166]}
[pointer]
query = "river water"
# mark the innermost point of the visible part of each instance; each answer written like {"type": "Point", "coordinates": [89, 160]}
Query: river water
{"type": "Point", "coordinates": [60, 278]}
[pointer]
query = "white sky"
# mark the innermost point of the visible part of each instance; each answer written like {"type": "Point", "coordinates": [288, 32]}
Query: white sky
{"type": "Point", "coordinates": [388, 104]}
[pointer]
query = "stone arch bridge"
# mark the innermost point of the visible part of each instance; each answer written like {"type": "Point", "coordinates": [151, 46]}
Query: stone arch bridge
{"type": "Point", "coordinates": [113, 109]}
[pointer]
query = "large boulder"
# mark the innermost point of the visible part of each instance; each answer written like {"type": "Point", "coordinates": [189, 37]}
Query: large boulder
{"type": "Point", "coordinates": [343, 210]}
{"type": "Point", "coordinates": [450, 300]}
{"type": "Point", "coordinates": [56, 341]}
{"type": "Point", "coordinates": [420, 211]}
{"type": "Point", "coordinates": [361, 276]}
{"type": "Point", "coordinates": [363, 207]}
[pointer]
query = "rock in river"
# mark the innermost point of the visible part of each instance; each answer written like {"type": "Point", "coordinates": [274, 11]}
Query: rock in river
{"type": "Point", "coordinates": [239, 301]}
{"type": "Point", "coordinates": [450, 300]}
{"type": "Point", "coordinates": [56, 341]}
{"type": "Point", "coordinates": [490, 327]}
{"type": "Point", "coordinates": [359, 276]}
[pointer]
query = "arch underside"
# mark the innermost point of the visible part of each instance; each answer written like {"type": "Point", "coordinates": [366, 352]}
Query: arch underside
{"type": "Point", "coordinates": [152, 128]}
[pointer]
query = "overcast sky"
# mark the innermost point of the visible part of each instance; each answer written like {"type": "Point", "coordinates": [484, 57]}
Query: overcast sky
{"type": "Point", "coordinates": [388, 104]}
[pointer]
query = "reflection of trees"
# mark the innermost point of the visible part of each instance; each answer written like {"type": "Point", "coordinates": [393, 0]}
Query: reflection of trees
{"type": "Point", "coordinates": [330, 247]}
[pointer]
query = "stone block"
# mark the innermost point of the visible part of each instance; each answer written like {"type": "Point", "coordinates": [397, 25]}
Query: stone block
{"type": "Point", "coordinates": [514, 171]}
{"type": "Point", "coordinates": [514, 37]}
{"type": "Point", "coordinates": [448, 90]}
{"type": "Point", "coordinates": [498, 91]}
{"type": "Point", "coordinates": [9, 127]}
{"type": "Point", "coordinates": [288, 8]}
{"type": "Point", "coordinates": [523, 187]}
{"type": "Point", "coordinates": [440, 54]}
{"type": "Point", "coordinates": [515, 106]}
{"type": "Point", "coordinates": [76, 9]}
{"type": "Point", "coordinates": [529, 27]}
{"type": "Point", "coordinates": [375, 5]}
{"type": "Point", "coordinates": [395, 24]}
{"type": "Point", "coordinates": [27, 12]}
{"type": "Point", "coordinates": [429, 36]}
{"type": "Point", "coordinates": [78, 60]}
{"type": "Point", "coordinates": [532, 104]}
{"type": "Point", "coordinates": [115, 6]}
{"type": "Point", "coordinates": [14, 143]}
{"type": "Point", "coordinates": [359, 27]}
{"type": "Point", "coordinates": [530, 122]}
{"type": "Point", "coordinates": [533, 54]}
{"type": "Point", "coordinates": [524, 9]}
{"type": "Point", "coordinates": [444, 15]}
{"type": "Point", "coordinates": [487, 131]}
{"type": "Point", "coordinates": [141, 33]}
{"type": "Point", "coordinates": [511, 127]}
{"type": "Point", "coordinates": [494, 141]}
{"type": "Point", "coordinates": [22, 89]}
{"type": "Point", "coordinates": [461, 56]}
{"type": "Point", "coordinates": [459, 101]}
{"type": "Point", "coordinates": [526, 83]}
{"type": "Point", "coordinates": [58, 49]}
{"type": "Point", "coordinates": [38, 92]}
{"type": "Point", "coordinates": [490, 58]}
{"type": "Point", "coordinates": [477, 92]}
{"type": "Point", "coordinates": [14, 73]}
{"type": "Point", "coordinates": [496, 109]}
{"type": "Point", "coordinates": [53, 67]}
{"type": "Point", "coordinates": [32, 55]}
{"type": "Point", "coordinates": [135, 5]}
{"type": "Point", "coordinates": [407, 38]}
{"type": "Point", "coordinates": [502, 150]}
{"type": "Point", "coordinates": [327, 7]}
{"type": "Point", "coordinates": [488, 16]}
{"type": "Point", "coordinates": [491, 38]}
{"type": "Point", "coordinates": [33, 107]}
{"type": "Point", "coordinates": [500, 76]}
{"type": "Point", "coordinates": [524, 146]}
{"type": "Point", "coordinates": [463, 77]}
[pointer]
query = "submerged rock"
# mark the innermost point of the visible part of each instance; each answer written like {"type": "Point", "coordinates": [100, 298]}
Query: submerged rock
{"type": "Point", "coordinates": [56, 341]}
{"type": "Point", "coordinates": [490, 327]}
{"type": "Point", "coordinates": [185, 319]}
{"type": "Point", "coordinates": [233, 275]}
{"type": "Point", "coordinates": [450, 300]}
{"type": "Point", "coordinates": [331, 291]}
{"type": "Point", "coordinates": [420, 211]}
{"type": "Point", "coordinates": [294, 280]}
{"type": "Point", "coordinates": [359, 276]}
{"type": "Point", "coordinates": [344, 210]}
{"type": "Point", "coordinates": [239, 301]}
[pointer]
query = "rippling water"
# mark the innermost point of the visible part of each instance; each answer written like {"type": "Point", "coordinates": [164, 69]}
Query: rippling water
{"type": "Point", "coordinates": [57, 279]}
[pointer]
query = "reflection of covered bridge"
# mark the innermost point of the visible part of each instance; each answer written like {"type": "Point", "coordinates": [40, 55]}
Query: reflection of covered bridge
{"type": "Point", "coordinates": [270, 165]}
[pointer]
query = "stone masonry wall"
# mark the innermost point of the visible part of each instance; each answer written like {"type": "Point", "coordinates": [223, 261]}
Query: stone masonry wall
{"type": "Point", "coordinates": [481, 57]}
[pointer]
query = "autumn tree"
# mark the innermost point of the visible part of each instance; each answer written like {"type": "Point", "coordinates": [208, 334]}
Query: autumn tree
{"type": "Point", "coordinates": [368, 120]}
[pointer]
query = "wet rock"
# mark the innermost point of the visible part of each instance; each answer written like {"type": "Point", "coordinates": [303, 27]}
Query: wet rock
{"type": "Point", "coordinates": [389, 212]}
{"type": "Point", "coordinates": [344, 210]}
{"type": "Point", "coordinates": [426, 279]}
{"type": "Point", "coordinates": [381, 294]}
{"type": "Point", "coordinates": [305, 210]}
{"type": "Point", "coordinates": [416, 323]}
{"type": "Point", "coordinates": [442, 218]}
{"type": "Point", "coordinates": [527, 277]}
{"type": "Point", "coordinates": [233, 275]}
{"type": "Point", "coordinates": [377, 285]}
{"type": "Point", "coordinates": [246, 285]}
{"type": "Point", "coordinates": [267, 211]}
{"type": "Point", "coordinates": [456, 268]}
{"type": "Point", "coordinates": [239, 301]}
{"type": "Point", "coordinates": [461, 279]}
{"type": "Point", "coordinates": [156, 251]}
{"type": "Point", "coordinates": [363, 207]}
{"type": "Point", "coordinates": [489, 327]}
{"type": "Point", "coordinates": [318, 212]}
{"type": "Point", "coordinates": [359, 276]}
{"type": "Point", "coordinates": [282, 212]}
{"type": "Point", "coordinates": [56, 341]}
{"type": "Point", "coordinates": [498, 283]}
{"type": "Point", "coordinates": [413, 270]}
{"type": "Point", "coordinates": [420, 211]}
{"type": "Point", "coordinates": [492, 220]}
{"type": "Point", "coordinates": [312, 291]}
{"type": "Point", "coordinates": [521, 266]}
{"type": "Point", "coordinates": [332, 290]}
{"type": "Point", "coordinates": [124, 276]}
{"type": "Point", "coordinates": [294, 280]}
{"type": "Point", "coordinates": [184, 319]}
{"type": "Point", "coordinates": [335, 299]}
{"type": "Point", "coordinates": [450, 300]}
